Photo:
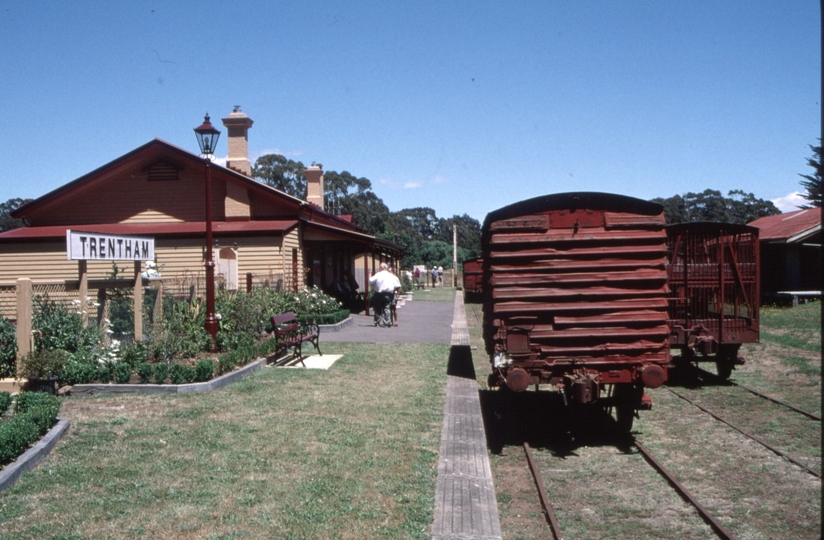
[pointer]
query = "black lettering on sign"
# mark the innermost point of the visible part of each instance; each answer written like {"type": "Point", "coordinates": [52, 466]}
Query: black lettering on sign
{"type": "Point", "coordinates": [83, 243]}
{"type": "Point", "coordinates": [128, 249]}
{"type": "Point", "coordinates": [93, 247]}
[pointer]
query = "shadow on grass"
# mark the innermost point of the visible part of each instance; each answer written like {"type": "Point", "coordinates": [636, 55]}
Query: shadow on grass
{"type": "Point", "coordinates": [692, 377]}
{"type": "Point", "coordinates": [542, 420]}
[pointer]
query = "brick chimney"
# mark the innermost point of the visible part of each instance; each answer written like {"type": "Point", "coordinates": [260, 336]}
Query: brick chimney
{"type": "Point", "coordinates": [238, 125]}
{"type": "Point", "coordinates": [314, 185]}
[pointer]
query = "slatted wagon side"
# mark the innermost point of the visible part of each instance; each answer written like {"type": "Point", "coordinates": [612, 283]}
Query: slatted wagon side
{"type": "Point", "coordinates": [473, 276]}
{"type": "Point", "coordinates": [575, 296]}
{"type": "Point", "coordinates": [714, 280]}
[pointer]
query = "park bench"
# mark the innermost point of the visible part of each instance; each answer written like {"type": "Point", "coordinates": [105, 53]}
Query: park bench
{"type": "Point", "coordinates": [290, 334]}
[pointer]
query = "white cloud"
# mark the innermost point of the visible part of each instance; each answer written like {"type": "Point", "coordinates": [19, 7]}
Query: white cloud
{"type": "Point", "coordinates": [413, 184]}
{"type": "Point", "coordinates": [790, 202]}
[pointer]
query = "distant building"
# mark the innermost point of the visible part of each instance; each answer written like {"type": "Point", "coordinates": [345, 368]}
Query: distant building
{"type": "Point", "coordinates": [790, 255]}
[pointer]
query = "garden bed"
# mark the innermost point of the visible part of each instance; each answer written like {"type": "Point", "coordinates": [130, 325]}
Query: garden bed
{"type": "Point", "coordinates": [32, 457]}
{"type": "Point", "coordinates": [208, 386]}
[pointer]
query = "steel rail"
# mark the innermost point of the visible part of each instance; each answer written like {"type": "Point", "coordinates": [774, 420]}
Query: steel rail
{"type": "Point", "coordinates": [748, 435]}
{"type": "Point", "coordinates": [778, 401]}
{"type": "Point", "coordinates": [764, 396]}
{"type": "Point", "coordinates": [550, 515]}
{"type": "Point", "coordinates": [705, 514]}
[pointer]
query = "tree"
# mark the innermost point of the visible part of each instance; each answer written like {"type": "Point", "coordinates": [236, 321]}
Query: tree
{"type": "Point", "coordinates": [7, 222]}
{"type": "Point", "coordinates": [812, 182]}
{"type": "Point", "coordinates": [281, 173]}
{"type": "Point", "coordinates": [738, 207]}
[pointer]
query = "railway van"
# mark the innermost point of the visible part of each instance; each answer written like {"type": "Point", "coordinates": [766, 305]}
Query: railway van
{"type": "Point", "coordinates": [576, 297]}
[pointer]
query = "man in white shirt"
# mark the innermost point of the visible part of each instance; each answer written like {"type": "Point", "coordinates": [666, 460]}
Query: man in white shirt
{"type": "Point", "coordinates": [384, 284]}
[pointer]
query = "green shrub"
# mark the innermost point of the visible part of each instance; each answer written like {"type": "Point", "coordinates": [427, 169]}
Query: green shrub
{"type": "Point", "coordinates": [104, 374]}
{"type": "Point", "coordinates": [181, 333]}
{"type": "Point", "coordinates": [161, 372]}
{"type": "Point", "coordinates": [5, 402]}
{"type": "Point", "coordinates": [79, 373]}
{"type": "Point", "coordinates": [181, 374]}
{"type": "Point", "coordinates": [204, 370]}
{"type": "Point", "coordinates": [227, 362]}
{"type": "Point", "coordinates": [311, 302]}
{"type": "Point", "coordinates": [8, 348]}
{"type": "Point", "coordinates": [134, 354]}
{"type": "Point", "coordinates": [145, 371]}
{"type": "Point", "coordinates": [327, 318]}
{"type": "Point", "coordinates": [35, 415]}
{"type": "Point", "coordinates": [58, 328]}
{"type": "Point", "coordinates": [15, 437]}
{"type": "Point", "coordinates": [122, 373]}
{"type": "Point", "coordinates": [45, 363]}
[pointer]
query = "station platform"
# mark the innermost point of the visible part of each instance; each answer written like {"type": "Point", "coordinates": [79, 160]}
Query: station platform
{"type": "Point", "coordinates": [465, 503]}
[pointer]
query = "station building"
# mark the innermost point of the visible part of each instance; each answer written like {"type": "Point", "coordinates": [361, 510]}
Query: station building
{"type": "Point", "coordinates": [261, 235]}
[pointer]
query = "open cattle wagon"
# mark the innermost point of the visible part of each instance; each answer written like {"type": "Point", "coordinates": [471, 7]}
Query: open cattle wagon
{"type": "Point", "coordinates": [473, 277]}
{"type": "Point", "coordinates": [575, 296]}
{"type": "Point", "coordinates": [713, 276]}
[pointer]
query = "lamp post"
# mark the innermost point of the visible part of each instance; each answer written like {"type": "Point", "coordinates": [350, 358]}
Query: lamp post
{"type": "Point", "coordinates": [207, 137]}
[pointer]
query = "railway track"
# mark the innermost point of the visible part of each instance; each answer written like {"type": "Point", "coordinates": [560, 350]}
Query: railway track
{"type": "Point", "coordinates": [747, 434]}
{"type": "Point", "coordinates": [728, 382]}
{"type": "Point", "coordinates": [705, 514]}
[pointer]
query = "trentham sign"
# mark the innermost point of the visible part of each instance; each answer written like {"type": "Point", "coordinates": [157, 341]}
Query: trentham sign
{"type": "Point", "coordinates": [86, 246]}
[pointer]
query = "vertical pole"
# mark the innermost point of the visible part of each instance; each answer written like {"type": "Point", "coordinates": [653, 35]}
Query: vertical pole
{"type": "Point", "coordinates": [83, 276]}
{"type": "Point", "coordinates": [248, 282]}
{"type": "Point", "coordinates": [454, 255]}
{"type": "Point", "coordinates": [137, 298]}
{"type": "Point", "coordinates": [24, 314]}
{"type": "Point", "coordinates": [211, 320]}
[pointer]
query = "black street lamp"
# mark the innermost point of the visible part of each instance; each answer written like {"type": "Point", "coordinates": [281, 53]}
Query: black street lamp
{"type": "Point", "coordinates": [207, 137]}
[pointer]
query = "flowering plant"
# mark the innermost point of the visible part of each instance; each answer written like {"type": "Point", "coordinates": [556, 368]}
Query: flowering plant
{"type": "Point", "coordinates": [312, 302]}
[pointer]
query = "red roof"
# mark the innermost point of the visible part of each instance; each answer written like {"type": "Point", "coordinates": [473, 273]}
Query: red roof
{"type": "Point", "coordinates": [153, 229]}
{"type": "Point", "coordinates": [800, 224]}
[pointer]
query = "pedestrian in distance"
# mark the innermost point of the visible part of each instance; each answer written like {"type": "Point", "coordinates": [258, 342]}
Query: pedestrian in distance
{"type": "Point", "coordinates": [393, 304]}
{"type": "Point", "coordinates": [384, 283]}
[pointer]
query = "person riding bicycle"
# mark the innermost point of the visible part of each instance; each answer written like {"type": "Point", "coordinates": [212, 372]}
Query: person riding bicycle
{"type": "Point", "coordinates": [384, 283]}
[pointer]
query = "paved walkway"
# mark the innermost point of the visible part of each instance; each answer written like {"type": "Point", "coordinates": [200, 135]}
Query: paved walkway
{"type": "Point", "coordinates": [418, 322]}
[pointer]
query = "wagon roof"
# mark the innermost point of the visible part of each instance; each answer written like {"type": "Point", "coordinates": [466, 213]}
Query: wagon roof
{"type": "Point", "coordinates": [590, 200]}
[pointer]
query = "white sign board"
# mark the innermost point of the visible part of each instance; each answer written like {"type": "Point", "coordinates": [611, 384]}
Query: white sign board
{"type": "Point", "coordinates": [86, 246]}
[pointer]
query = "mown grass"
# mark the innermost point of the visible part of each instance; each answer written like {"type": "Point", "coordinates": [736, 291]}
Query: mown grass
{"type": "Point", "coordinates": [435, 294]}
{"type": "Point", "coordinates": [287, 453]}
{"type": "Point", "coordinates": [797, 327]}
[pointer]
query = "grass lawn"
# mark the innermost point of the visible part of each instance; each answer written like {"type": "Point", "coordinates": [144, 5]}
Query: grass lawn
{"type": "Point", "coordinates": [286, 453]}
{"type": "Point", "coordinates": [439, 294]}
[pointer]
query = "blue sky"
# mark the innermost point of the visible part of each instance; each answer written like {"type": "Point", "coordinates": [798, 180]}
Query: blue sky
{"type": "Point", "coordinates": [463, 107]}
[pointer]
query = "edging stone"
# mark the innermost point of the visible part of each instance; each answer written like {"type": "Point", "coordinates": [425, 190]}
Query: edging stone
{"type": "Point", "coordinates": [191, 388]}
{"type": "Point", "coordinates": [32, 457]}
{"type": "Point", "coordinates": [337, 326]}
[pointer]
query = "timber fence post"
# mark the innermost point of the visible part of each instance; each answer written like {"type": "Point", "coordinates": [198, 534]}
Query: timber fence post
{"type": "Point", "coordinates": [24, 315]}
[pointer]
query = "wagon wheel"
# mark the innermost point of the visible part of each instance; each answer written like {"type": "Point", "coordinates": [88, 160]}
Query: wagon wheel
{"type": "Point", "coordinates": [725, 360]}
{"type": "Point", "coordinates": [626, 399]}
{"type": "Point", "coordinates": [724, 368]}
